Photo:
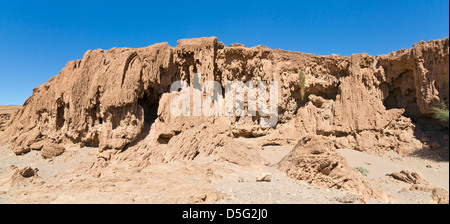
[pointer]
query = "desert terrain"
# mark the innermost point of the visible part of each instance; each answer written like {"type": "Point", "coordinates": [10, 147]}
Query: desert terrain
{"type": "Point", "coordinates": [68, 178]}
{"type": "Point", "coordinates": [359, 130]}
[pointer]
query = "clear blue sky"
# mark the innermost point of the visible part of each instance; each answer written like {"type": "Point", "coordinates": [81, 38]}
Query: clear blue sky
{"type": "Point", "coordinates": [37, 38]}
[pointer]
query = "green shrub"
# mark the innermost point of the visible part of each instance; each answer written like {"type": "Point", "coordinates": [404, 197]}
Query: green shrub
{"type": "Point", "coordinates": [362, 170]}
{"type": "Point", "coordinates": [441, 113]}
{"type": "Point", "coordinates": [302, 83]}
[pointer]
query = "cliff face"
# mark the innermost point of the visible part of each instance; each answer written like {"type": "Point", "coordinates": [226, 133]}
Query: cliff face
{"type": "Point", "coordinates": [115, 98]}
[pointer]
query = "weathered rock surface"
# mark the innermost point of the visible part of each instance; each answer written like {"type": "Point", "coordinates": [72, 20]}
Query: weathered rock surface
{"type": "Point", "coordinates": [114, 98]}
{"type": "Point", "coordinates": [27, 172]}
{"type": "Point", "coordinates": [440, 196]}
{"type": "Point", "coordinates": [51, 150]}
{"type": "Point", "coordinates": [409, 177]}
{"type": "Point", "coordinates": [315, 160]}
{"type": "Point", "coordinates": [419, 183]}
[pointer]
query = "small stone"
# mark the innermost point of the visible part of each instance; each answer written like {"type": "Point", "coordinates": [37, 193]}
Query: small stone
{"type": "Point", "coordinates": [429, 166]}
{"type": "Point", "coordinates": [27, 172]}
{"type": "Point", "coordinates": [368, 163]}
{"type": "Point", "coordinates": [264, 177]}
{"type": "Point", "coordinates": [240, 179]}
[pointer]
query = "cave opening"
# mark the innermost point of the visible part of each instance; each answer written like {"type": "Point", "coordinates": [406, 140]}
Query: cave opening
{"type": "Point", "coordinates": [60, 117]}
{"type": "Point", "coordinates": [149, 102]}
{"type": "Point", "coordinates": [396, 99]}
{"type": "Point", "coordinates": [401, 94]}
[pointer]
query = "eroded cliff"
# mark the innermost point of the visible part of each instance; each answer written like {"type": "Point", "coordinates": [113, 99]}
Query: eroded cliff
{"type": "Point", "coordinates": [117, 98]}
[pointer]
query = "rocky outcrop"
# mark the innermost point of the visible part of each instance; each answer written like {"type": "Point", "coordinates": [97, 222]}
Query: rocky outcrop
{"type": "Point", "coordinates": [114, 98]}
{"type": "Point", "coordinates": [419, 183]}
{"type": "Point", "coordinates": [409, 177]}
{"type": "Point", "coordinates": [315, 160]}
{"type": "Point", "coordinates": [416, 79]}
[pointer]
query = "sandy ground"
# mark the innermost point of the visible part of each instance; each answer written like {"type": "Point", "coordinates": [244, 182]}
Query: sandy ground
{"type": "Point", "coordinates": [70, 178]}
{"type": "Point", "coordinates": [284, 190]}
{"type": "Point", "coordinates": [436, 172]}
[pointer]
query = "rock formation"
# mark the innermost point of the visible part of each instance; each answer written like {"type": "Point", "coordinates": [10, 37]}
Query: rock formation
{"type": "Point", "coordinates": [119, 100]}
{"type": "Point", "coordinates": [112, 99]}
{"type": "Point", "coordinates": [314, 159]}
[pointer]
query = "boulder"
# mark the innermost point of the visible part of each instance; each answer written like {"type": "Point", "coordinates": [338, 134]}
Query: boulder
{"type": "Point", "coordinates": [51, 150]}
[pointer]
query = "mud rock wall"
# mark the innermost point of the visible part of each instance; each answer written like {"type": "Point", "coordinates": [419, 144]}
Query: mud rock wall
{"type": "Point", "coordinates": [112, 98]}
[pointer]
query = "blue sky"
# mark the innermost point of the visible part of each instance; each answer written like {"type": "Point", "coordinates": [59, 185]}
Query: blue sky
{"type": "Point", "coordinates": [37, 38]}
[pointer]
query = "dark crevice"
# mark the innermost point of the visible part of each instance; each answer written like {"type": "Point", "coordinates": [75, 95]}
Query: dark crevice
{"type": "Point", "coordinates": [93, 142]}
{"type": "Point", "coordinates": [195, 155]}
{"type": "Point", "coordinates": [401, 94]}
{"type": "Point", "coordinates": [328, 92]}
{"type": "Point", "coordinates": [60, 117]}
{"type": "Point", "coordinates": [396, 100]}
{"type": "Point", "coordinates": [165, 138]}
{"type": "Point", "coordinates": [271, 144]}
{"type": "Point", "coordinates": [149, 103]}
